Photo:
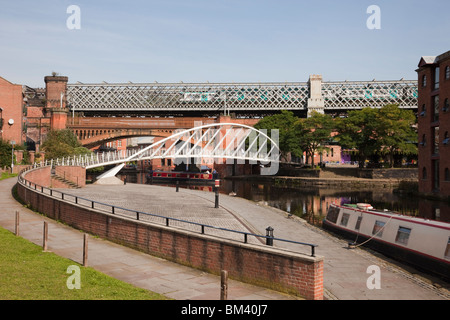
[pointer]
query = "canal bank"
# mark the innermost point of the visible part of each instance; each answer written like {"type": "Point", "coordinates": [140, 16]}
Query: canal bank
{"type": "Point", "coordinates": [345, 270]}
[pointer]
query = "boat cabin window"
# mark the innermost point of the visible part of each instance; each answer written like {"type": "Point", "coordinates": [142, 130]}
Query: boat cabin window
{"type": "Point", "coordinates": [378, 228]}
{"type": "Point", "coordinates": [333, 214]}
{"type": "Point", "coordinates": [344, 219]}
{"type": "Point", "coordinates": [447, 250]}
{"type": "Point", "coordinates": [403, 235]}
{"type": "Point", "coordinates": [358, 223]}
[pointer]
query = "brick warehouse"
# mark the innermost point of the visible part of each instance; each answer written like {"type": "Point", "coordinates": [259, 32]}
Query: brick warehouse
{"type": "Point", "coordinates": [434, 124]}
{"type": "Point", "coordinates": [11, 112]}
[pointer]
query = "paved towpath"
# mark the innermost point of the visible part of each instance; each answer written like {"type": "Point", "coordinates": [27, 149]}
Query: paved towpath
{"type": "Point", "coordinates": [345, 270]}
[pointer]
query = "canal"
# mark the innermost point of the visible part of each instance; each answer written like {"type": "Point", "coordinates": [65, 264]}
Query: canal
{"type": "Point", "coordinates": [311, 203]}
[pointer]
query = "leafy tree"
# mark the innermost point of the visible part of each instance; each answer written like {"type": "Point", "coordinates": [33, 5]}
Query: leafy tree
{"type": "Point", "coordinates": [5, 154]}
{"type": "Point", "coordinates": [358, 131]}
{"type": "Point", "coordinates": [62, 143]}
{"type": "Point", "coordinates": [289, 128]}
{"type": "Point", "coordinates": [315, 133]}
{"type": "Point", "coordinates": [396, 131]}
{"type": "Point", "coordinates": [388, 130]}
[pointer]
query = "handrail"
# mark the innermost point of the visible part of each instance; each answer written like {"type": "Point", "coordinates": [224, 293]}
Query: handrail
{"type": "Point", "coordinates": [137, 213]}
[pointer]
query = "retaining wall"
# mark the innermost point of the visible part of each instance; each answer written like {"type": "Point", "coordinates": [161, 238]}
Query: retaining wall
{"type": "Point", "coordinates": [271, 267]}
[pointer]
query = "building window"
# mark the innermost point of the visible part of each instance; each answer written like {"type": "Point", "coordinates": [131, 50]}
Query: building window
{"type": "Point", "coordinates": [436, 183]}
{"type": "Point", "coordinates": [446, 138]}
{"type": "Point", "coordinates": [446, 105]}
{"type": "Point", "coordinates": [447, 72]}
{"type": "Point", "coordinates": [403, 235]}
{"type": "Point", "coordinates": [424, 173]}
{"type": "Point", "coordinates": [424, 109]}
{"type": "Point", "coordinates": [436, 140]}
{"type": "Point", "coordinates": [446, 174]}
{"type": "Point", "coordinates": [423, 142]}
{"type": "Point", "coordinates": [378, 228]}
{"type": "Point", "coordinates": [424, 81]}
{"type": "Point", "coordinates": [436, 108]}
{"type": "Point", "coordinates": [436, 78]}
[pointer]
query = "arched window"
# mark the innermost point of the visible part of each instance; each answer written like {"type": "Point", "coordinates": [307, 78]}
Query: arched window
{"type": "Point", "coordinates": [424, 81]}
{"type": "Point", "coordinates": [446, 138]}
{"type": "Point", "coordinates": [423, 142]}
{"type": "Point", "coordinates": [447, 72]}
{"type": "Point", "coordinates": [424, 109]}
{"type": "Point", "coordinates": [446, 105]}
{"type": "Point", "coordinates": [424, 173]}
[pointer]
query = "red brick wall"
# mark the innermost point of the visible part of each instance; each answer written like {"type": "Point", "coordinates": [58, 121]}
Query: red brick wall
{"type": "Point", "coordinates": [425, 127]}
{"type": "Point", "coordinates": [11, 102]}
{"type": "Point", "coordinates": [266, 266]}
{"type": "Point", "coordinates": [72, 173]}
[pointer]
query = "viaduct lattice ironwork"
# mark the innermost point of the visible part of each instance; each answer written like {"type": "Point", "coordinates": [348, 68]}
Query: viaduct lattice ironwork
{"type": "Point", "coordinates": [240, 98]}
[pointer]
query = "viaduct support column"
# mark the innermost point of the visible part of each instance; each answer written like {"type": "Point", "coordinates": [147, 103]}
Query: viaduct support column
{"type": "Point", "coordinates": [315, 101]}
{"type": "Point", "coordinates": [56, 92]}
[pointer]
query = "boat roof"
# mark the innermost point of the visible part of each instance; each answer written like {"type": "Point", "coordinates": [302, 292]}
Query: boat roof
{"type": "Point", "coordinates": [399, 216]}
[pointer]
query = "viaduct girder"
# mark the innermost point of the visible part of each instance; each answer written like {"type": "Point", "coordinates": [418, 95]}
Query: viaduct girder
{"type": "Point", "coordinates": [240, 97]}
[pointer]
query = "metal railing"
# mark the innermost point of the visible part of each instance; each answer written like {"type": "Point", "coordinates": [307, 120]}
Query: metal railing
{"type": "Point", "coordinates": [138, 215]}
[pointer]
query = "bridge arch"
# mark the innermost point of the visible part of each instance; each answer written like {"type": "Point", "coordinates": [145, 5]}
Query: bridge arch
{"type": "Point", "coordinates": [220, 141]}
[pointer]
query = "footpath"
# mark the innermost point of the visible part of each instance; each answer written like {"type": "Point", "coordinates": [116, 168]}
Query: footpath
{"type": "Point", "coordinates": [345, 270]}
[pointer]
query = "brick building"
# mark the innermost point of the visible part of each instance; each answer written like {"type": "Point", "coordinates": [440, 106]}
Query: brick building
{"type": "Point", "coordinates": [11, 112]}
{"type": "Point", "coordinates": [434, 124]}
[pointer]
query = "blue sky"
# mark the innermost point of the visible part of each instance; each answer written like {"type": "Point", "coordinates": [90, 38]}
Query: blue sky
{"type": "Point", "coordinates": [218, 41]}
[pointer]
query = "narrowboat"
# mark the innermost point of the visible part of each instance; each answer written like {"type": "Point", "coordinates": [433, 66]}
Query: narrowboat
{"type": "Point", "coordinates": [192, 177]}
{"type": "Point", "coordinates": [420, 242]}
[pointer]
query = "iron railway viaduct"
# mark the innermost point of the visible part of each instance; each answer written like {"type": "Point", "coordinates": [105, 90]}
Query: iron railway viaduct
{"type": "Point", "coordinates": [102, 112]}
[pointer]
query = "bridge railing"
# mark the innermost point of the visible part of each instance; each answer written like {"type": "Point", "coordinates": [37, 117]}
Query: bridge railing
{"type": "Point", "coordinates": [141, 215]}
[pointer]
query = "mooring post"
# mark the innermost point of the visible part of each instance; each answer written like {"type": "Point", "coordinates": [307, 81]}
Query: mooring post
{"type": "Point", "coordinates": [17, 223]}
{"type": "Point", "coordinates": [224, 285]}
{"type": "Point", "coordinates": [216, 187]}
{"type": "Point", "coordinates": [45, 236]}
{"type": "Point", "coordinates": [85, 250]}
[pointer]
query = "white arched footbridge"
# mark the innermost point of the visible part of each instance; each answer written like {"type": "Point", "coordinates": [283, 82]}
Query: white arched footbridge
{"type": "Point", "coordinates": [221, 142]}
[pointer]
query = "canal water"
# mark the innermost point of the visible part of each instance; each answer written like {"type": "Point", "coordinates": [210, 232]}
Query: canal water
{"type": "Point", "coordinates": [311, 203]}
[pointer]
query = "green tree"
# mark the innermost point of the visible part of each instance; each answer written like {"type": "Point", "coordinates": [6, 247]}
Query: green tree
{"type": "Point", "coordinates": [62, 143]}
{"type": "Point", "coordinates": [5, 154]}
{"type": "Point", "coordinates": [289, 128]}
{"type": "Point", "coordinates": [388, 130]}
{"type": "Point", "coordinates": [396, 131]}
{"type": "Point", "coordinates": [315, 132]}
{"type": "Point", "coordinates": [359, 131]}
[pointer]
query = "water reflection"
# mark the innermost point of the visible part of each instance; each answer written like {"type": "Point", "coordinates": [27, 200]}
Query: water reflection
{"type": "Point", "coordinates": [312, 203]}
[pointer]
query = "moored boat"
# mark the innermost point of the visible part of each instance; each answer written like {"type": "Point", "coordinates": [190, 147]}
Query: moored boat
{"type": "Point", "coordinates": [192, 177]}
{"type": "Point", "coordinates": [420, 242]}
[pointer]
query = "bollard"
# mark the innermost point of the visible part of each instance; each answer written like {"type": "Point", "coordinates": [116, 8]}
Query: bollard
{"type": "Point", "coordinates": [45, 237]}
{"type": "Point", "coordinates": [224, 285]}
{"type": "Point", "coordinates": [216, 187]}
{"type": "Point", "coordinates": [85, 250]}
{"type": "Point", "coordinates": [178, 185]}
{"type": "Point", "coordinates": [269, 234]}
{"type": "Point", "coordinates": [17, 223]}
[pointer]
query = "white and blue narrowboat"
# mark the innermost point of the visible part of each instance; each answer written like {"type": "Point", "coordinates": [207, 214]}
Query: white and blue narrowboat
{"type": "Point", "coordinates": [420, 242]}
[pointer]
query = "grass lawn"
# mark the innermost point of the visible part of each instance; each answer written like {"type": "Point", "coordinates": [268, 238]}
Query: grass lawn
{"type": "Point", "coordinates": [28, 273]}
